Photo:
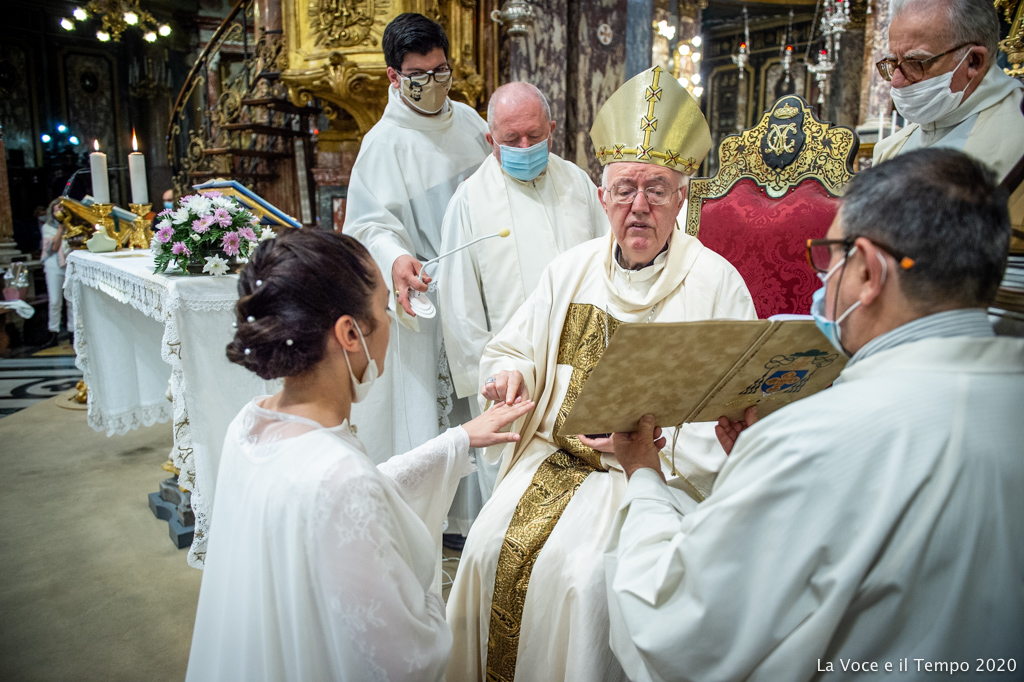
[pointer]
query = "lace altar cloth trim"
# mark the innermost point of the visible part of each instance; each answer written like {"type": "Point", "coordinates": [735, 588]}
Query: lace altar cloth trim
{"type": "Point", "coordinates": [129, 279]}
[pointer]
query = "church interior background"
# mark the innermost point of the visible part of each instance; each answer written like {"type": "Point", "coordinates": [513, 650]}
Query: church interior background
{"type": "Point", "coordinates": [277, 94]}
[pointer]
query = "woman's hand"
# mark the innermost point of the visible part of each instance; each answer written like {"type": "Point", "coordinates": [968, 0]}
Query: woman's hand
{"type": "Point", "coordinates": [508, 386]}
{"type": "Point", "coordinates": [484, 430]}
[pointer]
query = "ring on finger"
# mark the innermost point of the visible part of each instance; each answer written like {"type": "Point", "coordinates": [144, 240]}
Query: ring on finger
{"type": "Point", "coordinates": [490, 380]}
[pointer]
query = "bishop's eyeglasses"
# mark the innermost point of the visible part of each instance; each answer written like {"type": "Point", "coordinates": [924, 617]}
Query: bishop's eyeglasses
{"type": "Point", "coordinates": [913, 69]}
{"type": "Point", "coordinates": [441, 76]}
{"type": "Point", "coordinates": [819, 252]}
{"type": "Point", "coordinates": [656, 195]}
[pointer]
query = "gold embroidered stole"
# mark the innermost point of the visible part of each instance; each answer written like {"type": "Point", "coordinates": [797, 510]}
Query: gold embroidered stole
{"type": "Point", "coordinates": [581, 345]}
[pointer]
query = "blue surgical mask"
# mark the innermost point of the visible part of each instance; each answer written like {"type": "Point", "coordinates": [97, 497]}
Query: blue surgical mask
{"type": "Point", "coordinates": [169, 205]}
{"type": "Point", "coordinates": [831, 328]}
{"type": "Point", "coordinates": [525, 164]}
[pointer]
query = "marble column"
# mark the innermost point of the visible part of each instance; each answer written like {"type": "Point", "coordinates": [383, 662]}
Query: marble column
{"type": "Point", "coordinates": [639, 36]}
{"type": "Point", "coordinates": [874, 90]}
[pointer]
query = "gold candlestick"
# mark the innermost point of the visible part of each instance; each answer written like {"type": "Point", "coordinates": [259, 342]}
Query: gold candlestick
{"type": "Point", "coordinates": [141, 233]}
{"type": "Point", "coordinates": [106, 218]}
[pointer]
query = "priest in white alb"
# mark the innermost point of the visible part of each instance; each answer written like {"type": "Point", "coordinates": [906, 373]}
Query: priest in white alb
{"type": "Point", "coordinates": [529, 600]}
{"type": "Point", "coordinates": [548, 204]}
{"type": "Point", "coordinates": [407, 169]}
{"type": "Point", "coordinates": [872, 530]}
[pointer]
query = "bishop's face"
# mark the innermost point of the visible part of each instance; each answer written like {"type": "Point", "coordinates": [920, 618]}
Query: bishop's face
{"type": "Point", "coordinates": [641, 228]}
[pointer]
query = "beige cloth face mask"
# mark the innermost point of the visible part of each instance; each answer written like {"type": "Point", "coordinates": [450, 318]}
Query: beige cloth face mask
{"type": "Point", "coordinates": [426, 99]}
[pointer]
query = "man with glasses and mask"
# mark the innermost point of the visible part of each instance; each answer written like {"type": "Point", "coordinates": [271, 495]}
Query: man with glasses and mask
{"type": "Point", "coordinates": [529, 601]}
{"type": "Point", "coordinates": [878, 522]}
{"type": "Point", "coordinates": [548, 204]}
{"type": "Point", "coordinates": [946, 84]}
{"type": "Point", "coordinates": [408, 167]}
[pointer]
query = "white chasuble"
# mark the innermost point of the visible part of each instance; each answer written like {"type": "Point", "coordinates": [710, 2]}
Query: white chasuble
{"type": "Point", "coordinates": [880, 520]}
{"type": "Point", "coordinates": [529, 599]}
{"type": "Point", "coordinates": [322, 566]}
{"type": "Point", "coordinates": [407, 170]}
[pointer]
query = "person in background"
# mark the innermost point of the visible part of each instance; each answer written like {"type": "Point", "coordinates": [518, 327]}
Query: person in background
{"type": "Point", "coordinates": [53, 252]}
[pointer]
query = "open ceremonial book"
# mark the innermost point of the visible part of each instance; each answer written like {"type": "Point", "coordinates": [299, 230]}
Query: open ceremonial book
{"type": "Point", "coordinates": [260, 207]}
{"type": "Point", "coordinates": [699, 371]}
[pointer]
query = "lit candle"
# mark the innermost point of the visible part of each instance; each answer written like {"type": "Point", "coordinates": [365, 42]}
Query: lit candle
{"type": "Point", "coordinates": [98, 167]}
{"type": "Point", "coordinates": [137, 172]}
{"type": "Point", "coordinates": [881, 125]}
{"type": "Point", "coordinates": [892, 126]}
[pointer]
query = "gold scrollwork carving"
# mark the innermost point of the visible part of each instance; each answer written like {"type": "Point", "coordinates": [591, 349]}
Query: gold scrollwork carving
{"type": "Point", "coordinates": [778, 140]}
{"type": "Point", "coordinates": [827, 157]}
{"type": "Point", "coordinates": [344, 23]}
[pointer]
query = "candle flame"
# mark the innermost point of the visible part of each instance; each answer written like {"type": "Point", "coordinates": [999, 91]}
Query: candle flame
{"type": "Point", "coordinates": [96, 145]}
{"type": "Point", "coordinates": [135, 141]}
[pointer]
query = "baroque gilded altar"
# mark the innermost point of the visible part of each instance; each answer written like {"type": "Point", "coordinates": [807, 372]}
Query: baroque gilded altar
{"type": "Point", "coordinates": [333, 50]}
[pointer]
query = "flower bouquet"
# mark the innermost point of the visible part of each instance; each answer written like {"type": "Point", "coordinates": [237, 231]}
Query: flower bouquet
{"type": "Point", "coordinates": [207, 231]}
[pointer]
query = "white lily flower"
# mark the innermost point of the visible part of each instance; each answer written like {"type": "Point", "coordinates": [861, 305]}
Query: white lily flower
{"type": "Point", "coordinates": [216, 266]}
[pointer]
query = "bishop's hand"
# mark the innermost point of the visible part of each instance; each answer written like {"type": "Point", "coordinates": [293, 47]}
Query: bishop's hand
{"type": "Point", "coordinates": [405, 274]}
{"type": "Point", "coordinates": [506, 386]}
{"type": "Point", "coordinates": [728, 431]}
{"type": "Point", "coordinates": [639, 449]}
{"type": "Point", "coordinates": [485, 430]}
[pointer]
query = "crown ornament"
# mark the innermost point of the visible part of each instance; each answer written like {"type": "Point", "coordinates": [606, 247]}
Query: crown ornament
{"type": "Point", "coordinates": [786, 111]}
{"type": "Point", "coordinates": [652, 119]}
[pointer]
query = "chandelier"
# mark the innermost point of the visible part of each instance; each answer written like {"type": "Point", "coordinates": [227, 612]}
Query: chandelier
{"type": "Point", "coordinates": [740, 60]}
{"type": "Point", "coordinates": [116, 16]}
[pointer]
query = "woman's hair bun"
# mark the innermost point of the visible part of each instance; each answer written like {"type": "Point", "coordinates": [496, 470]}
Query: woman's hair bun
{"type": "Point", "coordinates": [291, 292]}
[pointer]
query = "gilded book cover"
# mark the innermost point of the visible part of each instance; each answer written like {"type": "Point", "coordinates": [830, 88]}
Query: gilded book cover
{"type": "Point", "coordinates": [698, 371]}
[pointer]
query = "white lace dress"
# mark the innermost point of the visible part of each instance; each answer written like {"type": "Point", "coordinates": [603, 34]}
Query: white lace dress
{"type": "Point", "coordinates": [320, 565]}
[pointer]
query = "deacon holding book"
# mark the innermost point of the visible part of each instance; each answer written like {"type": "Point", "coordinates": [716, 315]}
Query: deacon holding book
{"type": "Point", "coordinates": [549, 205]}
{"type": "Point", "coordinates": [408, 167]}
{"type": "Point", "coordinates": [529, 599]}
{"type": "Point", "coordinates": [879, 521]}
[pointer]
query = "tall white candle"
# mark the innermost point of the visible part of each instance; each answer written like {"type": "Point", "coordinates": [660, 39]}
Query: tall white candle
{"type": "Point", "coordinates": [98, 167]}
{"type": "Point", "coordinates": [137, 172]}
{"type": "Point", "coordinates": [881, 125]}
{"type": "Point", "coordinates": [892, 126]}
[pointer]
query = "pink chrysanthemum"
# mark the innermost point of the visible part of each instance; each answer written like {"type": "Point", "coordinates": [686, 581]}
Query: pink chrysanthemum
{"type": "Point", "coordinates": [166, 211]}
{"type": "Point", "coordinates": [179, 248]}
{"type": "Point", "coordinates": [222, 217]}
{"type": "Point", "coordinates": [202, 225]}
{"type": "Point", "coordinates": [247, 233]}
{"type": "Point", "coordinates": [230, 243]}
{"type": "Point", "coordinates": [213, 194]}
{"type": "Point", "coordinates": [164, 234]}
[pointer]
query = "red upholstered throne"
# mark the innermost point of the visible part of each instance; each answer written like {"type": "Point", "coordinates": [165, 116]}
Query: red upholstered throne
{"type": "Point", "coordinates": [777, 186]}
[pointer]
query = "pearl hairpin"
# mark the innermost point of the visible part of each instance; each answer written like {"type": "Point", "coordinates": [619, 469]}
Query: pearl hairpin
{"type": "Point", "coordinates": [259, 282]}
{"type": "Point", "coordinates": [250, 319]}
{"type": "Point", "coordinates": [248, 351]}
{"type": "Point", "coordinates": [288, 342]}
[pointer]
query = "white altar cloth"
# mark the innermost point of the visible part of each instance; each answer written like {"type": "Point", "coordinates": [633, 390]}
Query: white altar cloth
{"type": "Point", "coordinates": [133, 330]}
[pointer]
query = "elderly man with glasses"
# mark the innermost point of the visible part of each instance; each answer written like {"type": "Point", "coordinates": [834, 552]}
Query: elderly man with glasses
{"type": "Point", "coordinates": [873, 530]}
{"type": "Point", "coordinates": [946, 84]}
{"type": "Point", "coordinates": [529, 601]}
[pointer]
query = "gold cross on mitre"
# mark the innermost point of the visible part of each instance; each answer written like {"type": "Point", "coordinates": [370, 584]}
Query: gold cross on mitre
{"type": "Point", "coordinates": [652, 119]}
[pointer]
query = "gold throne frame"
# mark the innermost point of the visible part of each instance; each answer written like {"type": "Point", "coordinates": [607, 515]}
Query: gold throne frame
{"type": "Point", "coordinates": [827, 156]}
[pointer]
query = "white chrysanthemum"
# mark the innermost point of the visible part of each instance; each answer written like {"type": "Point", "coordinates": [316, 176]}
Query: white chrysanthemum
{"type": "Point", "coordinates": [224, 202]}
{"type": "Point", "coordinates": [200, 205]}
{"type": "Point", "coordinates": [216, 266]}
{"type": "Point", "coordinates": [163, 223]}
{"type": "Point", "coordinates": [266, 234]}
{"type": "Point", "coordinates": [180, 216]}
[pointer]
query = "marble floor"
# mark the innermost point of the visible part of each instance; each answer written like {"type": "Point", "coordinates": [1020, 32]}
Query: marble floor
{"type": "Point", "coordinates": [29, 380]}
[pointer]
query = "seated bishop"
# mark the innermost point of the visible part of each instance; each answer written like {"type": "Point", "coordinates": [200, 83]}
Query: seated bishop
{"type": "Point", "coordinates": [549, 205]}
{"type": "Point", "coordinates": [529, 600]}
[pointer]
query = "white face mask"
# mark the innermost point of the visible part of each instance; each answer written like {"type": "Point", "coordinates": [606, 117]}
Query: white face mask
{"type": "Point", "coordinates": [929, 100]}
{"type": "Point", "coordinates": [361, 388]}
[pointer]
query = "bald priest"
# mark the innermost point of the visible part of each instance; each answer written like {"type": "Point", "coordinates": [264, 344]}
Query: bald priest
{"type": "Point", "coordinates": [529, 599]}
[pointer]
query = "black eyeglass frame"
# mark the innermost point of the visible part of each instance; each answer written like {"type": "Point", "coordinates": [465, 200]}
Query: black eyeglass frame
{"type": "Point", "coordinates": [905, 262]}
{"type": "Point", "coordinates": [887, 67]}
{"type": "Point", "coordinates": [424, 78]}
